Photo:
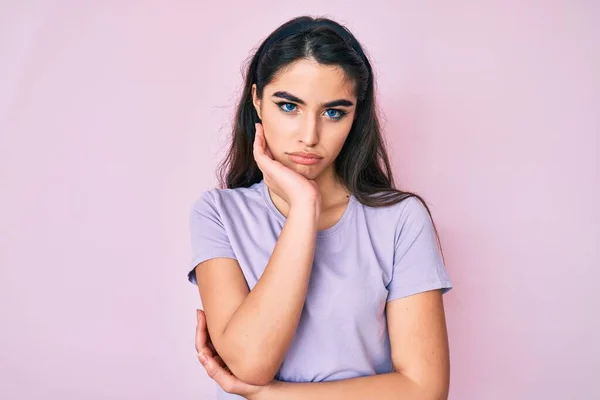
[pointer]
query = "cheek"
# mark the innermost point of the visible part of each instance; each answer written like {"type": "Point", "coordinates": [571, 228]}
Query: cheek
{"type": "Point", "coordinates": [336, 145]}
{"type": "Point", "coordinates": [278, 128]}
{"type": "Point", "coordinates": [280, 123]}
{"type": "Point", "coordinates": [335, 137]}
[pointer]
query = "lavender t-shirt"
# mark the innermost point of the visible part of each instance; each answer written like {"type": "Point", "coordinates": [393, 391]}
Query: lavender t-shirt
{"type": "Point", "coordinates": [372, 255]}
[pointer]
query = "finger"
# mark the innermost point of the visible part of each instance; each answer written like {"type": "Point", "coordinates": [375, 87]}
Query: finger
{"type": "Point", "coordinates": [256, 143]}
{"type": "Point", "coordinates": [198, 335]}
{"type": "Point", "coordinates": [263, 141]}
{"type": "Point", "coordinates": [217, 359]}
{"type": "Point", "coordinates": [263, 156]}
{"type": "Point", "coordinates": [204, 336]}
{"type": "Point", "coordinates": [259, 141]}
{"type": "Point", "coordinates": [217, 373]}
{"type": "Point", "coordinates": [265, 161]}
{"type": "Point", "coordinates": [209, 352]}
{"type": "Point", "coordinates": [258, 151]}
{"type": "Point", "coordinates": [201, 333]}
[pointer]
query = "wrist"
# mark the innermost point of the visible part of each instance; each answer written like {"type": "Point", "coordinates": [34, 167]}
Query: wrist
{"type": "Point", "coordinates": [307, 207]}
{"type": "Point", "coordinates": [268, 392]}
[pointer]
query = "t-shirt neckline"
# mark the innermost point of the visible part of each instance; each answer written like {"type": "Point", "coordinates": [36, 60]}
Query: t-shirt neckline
{"type": "Point", "coordinates": [320, 234]}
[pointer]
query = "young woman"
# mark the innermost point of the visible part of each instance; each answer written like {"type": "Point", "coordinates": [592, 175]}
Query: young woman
{"type": "Point", "coordinates": [319, 279]}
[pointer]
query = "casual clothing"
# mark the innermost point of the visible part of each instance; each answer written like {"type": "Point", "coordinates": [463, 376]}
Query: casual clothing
{"type": "Point", "coordinates": [372, 255]}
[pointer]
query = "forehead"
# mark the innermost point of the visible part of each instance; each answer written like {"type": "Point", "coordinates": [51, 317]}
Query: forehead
{"type": "Point", "coordinates": [313, 82]}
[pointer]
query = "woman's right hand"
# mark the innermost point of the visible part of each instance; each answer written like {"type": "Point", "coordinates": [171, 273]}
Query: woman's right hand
{"type": "Point", "coordinates": [292, 187]}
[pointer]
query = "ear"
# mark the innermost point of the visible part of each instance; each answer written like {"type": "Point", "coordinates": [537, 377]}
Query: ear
{"type": "Point", "coordinates": [256, 101]}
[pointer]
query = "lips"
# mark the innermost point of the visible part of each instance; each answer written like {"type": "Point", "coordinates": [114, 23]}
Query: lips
{"type": "Point", "coordinates": [303, 158]}
{"type": "Point", "coordinates": [306, 155]}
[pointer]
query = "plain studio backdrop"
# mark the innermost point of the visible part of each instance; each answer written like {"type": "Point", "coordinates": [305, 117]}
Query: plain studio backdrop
{"type": "Point", "coordinates": [114, 115]}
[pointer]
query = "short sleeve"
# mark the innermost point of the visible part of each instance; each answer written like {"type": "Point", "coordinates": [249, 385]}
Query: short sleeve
{"type": "Point", "coordinates": [418, 265]}
{"type": "Point", "coordinates": [207, 232]}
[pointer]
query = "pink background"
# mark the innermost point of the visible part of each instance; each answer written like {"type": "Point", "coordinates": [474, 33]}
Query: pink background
{"type": "Point", "coordinates": [113, 116]}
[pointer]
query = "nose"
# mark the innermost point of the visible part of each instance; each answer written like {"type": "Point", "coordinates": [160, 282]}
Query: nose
{"type": "Point", "coordinates": [310, 132]}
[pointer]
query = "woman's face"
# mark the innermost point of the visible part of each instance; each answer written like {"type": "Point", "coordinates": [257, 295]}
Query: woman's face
{"type": "Point", "coordinates": [308, 107]}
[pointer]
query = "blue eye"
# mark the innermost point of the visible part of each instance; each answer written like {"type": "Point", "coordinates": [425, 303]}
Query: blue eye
{"type": "Point", "coordinates": [287, 107]}
{"type": "Point", "coordinates": [332, 113]}
{"type": "Point", "coordinates": [335, 114]}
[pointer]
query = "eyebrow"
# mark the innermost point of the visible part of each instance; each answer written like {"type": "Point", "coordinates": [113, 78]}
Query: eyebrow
{"type": "Point", "coordinates": [334, 103]}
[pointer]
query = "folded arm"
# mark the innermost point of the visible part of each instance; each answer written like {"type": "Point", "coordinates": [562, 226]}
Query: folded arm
{"type": "Point", "coordinates": [420, 356]}
{"type": "Point", "coordinates": [252, 330]}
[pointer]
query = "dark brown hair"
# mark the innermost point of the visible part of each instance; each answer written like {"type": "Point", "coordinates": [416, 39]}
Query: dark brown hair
{"type": "Point", "coordinates": [362, 164]}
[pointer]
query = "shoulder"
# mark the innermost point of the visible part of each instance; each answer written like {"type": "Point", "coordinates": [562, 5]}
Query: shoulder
{"type": "Point", "coordinates": [216, 200]}
{"type": "Point", "coordinates": [414, 224]}
{"type": "Point", "coordinates": [413, 210]}
{"type": "Point", "coordinates": [409, 210]}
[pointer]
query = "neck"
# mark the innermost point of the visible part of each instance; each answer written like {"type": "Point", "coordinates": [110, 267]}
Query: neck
{"type": "Point", "coordinates": [332, 192]}
{"type": "Point", "coordinates": [331, 189]}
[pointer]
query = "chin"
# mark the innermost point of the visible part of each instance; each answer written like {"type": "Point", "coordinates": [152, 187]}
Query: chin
{"type": "Point", "coordinates": [309, 172]}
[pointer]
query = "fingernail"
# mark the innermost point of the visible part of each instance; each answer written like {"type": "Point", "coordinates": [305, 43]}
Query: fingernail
{"type": "Point", "coordinates": [203, 358]}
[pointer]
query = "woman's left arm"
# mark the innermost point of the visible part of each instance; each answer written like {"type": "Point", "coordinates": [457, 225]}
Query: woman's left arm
{"type": "Point", "coordinates": [420, 355]}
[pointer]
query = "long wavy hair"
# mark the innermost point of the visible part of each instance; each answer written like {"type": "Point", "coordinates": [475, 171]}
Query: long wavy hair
{"type": "Point", "coordinates": [362, 165]}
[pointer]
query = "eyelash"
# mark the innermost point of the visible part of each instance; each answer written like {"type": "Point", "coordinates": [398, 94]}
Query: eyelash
{"type": "Point", "coordinates": [341, 113]}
